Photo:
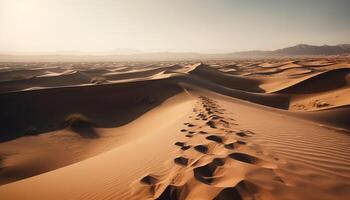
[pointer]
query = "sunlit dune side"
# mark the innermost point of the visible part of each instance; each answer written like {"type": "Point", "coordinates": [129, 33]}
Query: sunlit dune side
{"type": "Point", "coordinates": [227, 129]}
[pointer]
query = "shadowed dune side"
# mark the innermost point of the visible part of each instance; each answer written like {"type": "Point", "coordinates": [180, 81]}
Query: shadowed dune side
{"type": "Point", "coordinates": [291, 71]}
{"type": "Point", "coordinates": [109, 105]}
{"type": "Point", "coordinates": [255, 68]}
{"type": "Point", "coordinates": [76, 78]}
{"type": "Point", "coordinates": [274, 64]}
{"type": "Point", "coordinates": [227, 80]}
{"type": "Point", "coordinates": [17, 80]}
{"type": "Point", "coordinates": [296, 71]}
{"type": "Point", "coordinates": [335, 117]}
{"type": "Point", "coordinates": [138, 74]}
{"type": "Point", "coordinates": [94, 72]}
{"type": "Point", "coordinates": [273, 100]}
{"type": "Point", "coordinates": [19, 74]}
{"type": "Point", "coordinates": [329, 80]}
{"type": "Point", "coordinates": [314, 63]}
{"type": "Point", "coordinates": [325, 90]}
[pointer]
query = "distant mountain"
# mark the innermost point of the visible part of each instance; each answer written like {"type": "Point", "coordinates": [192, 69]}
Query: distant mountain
{"type": "Point", "coordinates": [298, 50]}
{"type": "Point", "coordinates": [304, 49]}
{"type": "Point", "coordinates": [134, 55]}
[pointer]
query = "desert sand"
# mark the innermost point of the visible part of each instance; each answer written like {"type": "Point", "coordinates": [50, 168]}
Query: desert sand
{"type": "Point", "coordinates": [231, 129]}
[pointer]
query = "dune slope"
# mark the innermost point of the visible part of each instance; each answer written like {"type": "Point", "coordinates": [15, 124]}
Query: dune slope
{"type": "Point", "coordinates": [243, 130]}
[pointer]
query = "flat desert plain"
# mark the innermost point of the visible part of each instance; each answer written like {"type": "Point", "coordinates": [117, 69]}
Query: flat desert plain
{"type": "Point", "coordinates": [274, 129]}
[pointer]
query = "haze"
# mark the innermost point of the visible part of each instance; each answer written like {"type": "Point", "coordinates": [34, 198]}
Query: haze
{"type": "Point", "coordinates": [204, 26]}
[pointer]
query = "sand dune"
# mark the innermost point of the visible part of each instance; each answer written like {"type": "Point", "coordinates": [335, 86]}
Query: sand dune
{"type": "Point", "coordinates": [338, 77]}
{"type": "Point", "coordinates": [227, 80]}
{"type": "Point", "coordinates": [245, 129]}
{"type": "Point", "coordinates": [106, 105]}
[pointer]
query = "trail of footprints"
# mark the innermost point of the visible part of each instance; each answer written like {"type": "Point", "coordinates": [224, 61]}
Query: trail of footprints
{"type": "Point", "coordinates": [213, 143]}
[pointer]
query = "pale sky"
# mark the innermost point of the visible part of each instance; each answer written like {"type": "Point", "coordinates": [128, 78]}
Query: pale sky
{"type": "Point", "coordinates": [205, 26]}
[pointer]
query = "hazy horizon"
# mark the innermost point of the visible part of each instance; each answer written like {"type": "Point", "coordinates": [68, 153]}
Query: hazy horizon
{"type": "Point", "coordinates": [133, 52]}
{"type": "Point", "coordinates": [92, 26]}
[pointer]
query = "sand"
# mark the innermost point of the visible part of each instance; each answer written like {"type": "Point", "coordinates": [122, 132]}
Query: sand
{"type": "Point", "coordinates": [242, 129]}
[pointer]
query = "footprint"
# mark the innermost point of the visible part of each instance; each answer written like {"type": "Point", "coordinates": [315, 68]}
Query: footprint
{"type": "Point", "coordinates": [218, 161]}
{"type": "Point", "coordinates": [180, 144]}
{"type": "Point", "coordinates": [233, 145]}
{"type": "Point", "coordinates": [241, 142]}
{"type": "Point", "coordinates": [201, 148]}
{"type": "Point", "coordinates": [214, 138]}
{"type": "Point", "coordinates": [211, 124]}
{"type": "Point", "coordinates": [181, 161]}
{"type": "Point", "coordinates": [243, 190]}
{"type": "Point", "coordinates": [201, 116]}
{"type": "Point", "coordinates": [242, 134]}
{"type": "Point", "coordinates": [229, 193]}
{"type": "Point", "coordinates": [171, 192]}
{"type": "Point", "coordinates": [185, 147]}
{"type": "Point", "coordinates": [203, 132]}
{"type": "Point", "coordinates": [149, 180]}
{"type": "Point", "coordinates": [244, 158]}
{"type": "Point", "coordinates": [205, 173]}
{"type": "Point", "coordinates": [223, 121]}
{"type": "Point", "coordinates": [229, 146]}
{"type": "Point", "coordinates": [183, 130]}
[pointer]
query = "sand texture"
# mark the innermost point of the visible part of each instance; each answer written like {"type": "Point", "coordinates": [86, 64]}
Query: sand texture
{"type": "Point", "coordinates": [274, 129]}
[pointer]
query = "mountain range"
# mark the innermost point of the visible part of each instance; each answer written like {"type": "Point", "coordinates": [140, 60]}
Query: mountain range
{"type": "Point", "coordinates": [300, 50]}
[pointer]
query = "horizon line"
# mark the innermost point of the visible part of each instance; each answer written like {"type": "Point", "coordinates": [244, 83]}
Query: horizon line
{"type": "Point", "coordinates": [138, 52]}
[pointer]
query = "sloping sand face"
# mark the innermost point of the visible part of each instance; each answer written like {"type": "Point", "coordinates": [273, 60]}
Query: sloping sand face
{"type": "Point", "coordinates": [263, 129]}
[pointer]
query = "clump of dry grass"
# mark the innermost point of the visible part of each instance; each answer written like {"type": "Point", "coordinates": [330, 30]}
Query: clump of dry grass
{"type": "Point", "coordinates": [81, 125]}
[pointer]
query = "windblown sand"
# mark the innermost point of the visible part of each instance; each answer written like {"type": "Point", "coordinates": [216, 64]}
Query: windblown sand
{"type": "Point", "coordinates": [241, 130]}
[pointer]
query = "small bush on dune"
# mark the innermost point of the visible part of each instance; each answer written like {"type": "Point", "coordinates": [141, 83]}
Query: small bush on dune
{"type": "Point", "coordinates": [77, 121]}
{"type": "Point", "coordinates": [81, 125]}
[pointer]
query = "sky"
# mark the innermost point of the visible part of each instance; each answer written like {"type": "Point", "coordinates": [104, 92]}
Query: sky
{"type": "Point", "coordinates": [204, 26]}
